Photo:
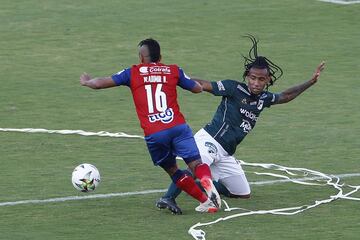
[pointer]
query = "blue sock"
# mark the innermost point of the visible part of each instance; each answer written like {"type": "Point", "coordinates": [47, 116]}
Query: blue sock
{"type": "Point", "coordinates": [173, 191]}
{"type": "Point", "coordinates": [177, 175]}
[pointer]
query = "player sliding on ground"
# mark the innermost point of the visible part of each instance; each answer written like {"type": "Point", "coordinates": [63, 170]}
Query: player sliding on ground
{"type": "Point", "coordinates": [153, 86]}
{"type": "Point", "coordinates": [234, 118]}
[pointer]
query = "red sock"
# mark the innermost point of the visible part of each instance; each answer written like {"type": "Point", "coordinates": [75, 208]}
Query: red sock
{"type": "Point", "coordinates": [202, 170]}
{"type": "Point", "coordinates": [188, 185]}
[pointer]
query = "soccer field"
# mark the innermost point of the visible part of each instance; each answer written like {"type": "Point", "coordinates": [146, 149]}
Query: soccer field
{"type": "Point", "coordinates": [46, 45]}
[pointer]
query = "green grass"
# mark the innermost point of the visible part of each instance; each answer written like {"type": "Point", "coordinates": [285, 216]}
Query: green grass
{"type": "Point", "coordinates": [46, 45]}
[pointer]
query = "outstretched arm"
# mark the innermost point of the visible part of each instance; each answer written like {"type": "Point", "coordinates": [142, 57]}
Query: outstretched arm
{"type": "Point", "coordinates": [293, 92]}
{"type": "Point", "coordinates": [206, 85]}
{"type": "Point", "coordinates": [197, 88]}
{"type": "Point", "coordinates": [96, 83]}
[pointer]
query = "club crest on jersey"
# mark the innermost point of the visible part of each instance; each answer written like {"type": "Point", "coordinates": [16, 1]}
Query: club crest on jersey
{"type": "Point", "coordinates": [260, 104]}
{"type": "Point", "coordinates": [164, 117]}
{"type": "Point", "coordinates": [212, 150]}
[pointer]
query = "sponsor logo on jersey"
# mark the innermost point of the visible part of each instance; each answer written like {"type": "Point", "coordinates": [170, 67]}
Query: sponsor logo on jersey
{"type": "Point", "coordinates": [154, 70]}
{"type": "Point", "coordinates": [220, 86]}
{"type": "Point", "coordinates": [144, 70]}
{"type": "Point", "coordinates": [248, 114]}
{"type": "Point", "coordinates": [246, 126]}
{"type": "Point", "coordinates": [212, 149]}
{"type": "Point", "coordinates": [260, 104]}
{"type": "Point", "coordinates": [244, 101]}
{"type": "Point", "coordinates": [164, 117]}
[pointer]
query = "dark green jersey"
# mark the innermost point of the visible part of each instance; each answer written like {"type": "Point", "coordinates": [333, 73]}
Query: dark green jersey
{"type": "Point", "coordinates": [237, 113]}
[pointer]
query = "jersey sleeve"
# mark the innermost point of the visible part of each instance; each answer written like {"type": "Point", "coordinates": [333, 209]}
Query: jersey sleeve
{"type": "Point", "coordinates": [185, 82]}
{"type": "Point", "coordinates": [270, 99]}
{"type": "Point", "coordinates": [122, 77]}
{"type": "Point", "coordinates": [224, 87]}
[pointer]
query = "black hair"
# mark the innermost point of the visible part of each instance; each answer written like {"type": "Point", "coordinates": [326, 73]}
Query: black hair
{"type": "Point", "coordinates": [154, 48]}
{"type": "Point", "coordinates": [261, 62]}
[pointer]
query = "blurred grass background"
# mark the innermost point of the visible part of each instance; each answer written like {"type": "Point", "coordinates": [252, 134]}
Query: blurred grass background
{"type": "Point", "coordinates": [46, 45]}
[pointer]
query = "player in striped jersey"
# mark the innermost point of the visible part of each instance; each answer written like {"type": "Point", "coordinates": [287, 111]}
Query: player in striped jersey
{"type": "Point", "coordinates": [153, 86]}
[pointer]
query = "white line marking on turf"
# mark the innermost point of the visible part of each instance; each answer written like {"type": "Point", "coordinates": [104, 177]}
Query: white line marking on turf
{"type": "Point", "coordinates": [346, 175]}
{"type": "Point", "coordinates": [67, 132]}
{"type": "Point", "coordinates": [198, 234]}
{"type": "Point", "coordinates": [331, 181]}
{"type": "Point", "coordinates": [74, 198]}
{"type": "Point", "coordinates": [344, 2]}
{"type": "Point", "coordinates": [110, 195]}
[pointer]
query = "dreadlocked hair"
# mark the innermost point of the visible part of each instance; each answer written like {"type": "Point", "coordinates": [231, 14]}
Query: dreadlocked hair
{"type": "Point", "coordinates": [255, 61]}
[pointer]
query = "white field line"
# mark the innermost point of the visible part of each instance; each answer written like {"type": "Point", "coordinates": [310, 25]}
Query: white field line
{"type": "Point", "coordinates": [69, 132]}
{"type": "Point", "coordinates": [110, 195]}
{"type": "Point", "coordinates": [74, 198]}
{"type": "Point", "coordinates": [341, 1]}
{"type": "Point", "coordinates": [346, 175]}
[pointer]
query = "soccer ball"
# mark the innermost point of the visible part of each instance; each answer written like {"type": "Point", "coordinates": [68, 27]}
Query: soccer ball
{"type": "Point", "coordinates": [85, 177]}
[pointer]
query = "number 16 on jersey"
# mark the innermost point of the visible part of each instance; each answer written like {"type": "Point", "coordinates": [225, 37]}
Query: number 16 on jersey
{"type": "Point", "coordinates": [160, 98]}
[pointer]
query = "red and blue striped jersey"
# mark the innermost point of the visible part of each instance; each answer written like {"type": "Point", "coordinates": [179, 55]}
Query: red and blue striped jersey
{"type": "Point", "coordinates": [153, 87]}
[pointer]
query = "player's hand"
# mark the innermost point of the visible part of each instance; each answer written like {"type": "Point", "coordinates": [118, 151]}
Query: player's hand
{"type": "Point", "coordinates": [84, 78]}
{"type": "Point", "coordinates": [317, 72]}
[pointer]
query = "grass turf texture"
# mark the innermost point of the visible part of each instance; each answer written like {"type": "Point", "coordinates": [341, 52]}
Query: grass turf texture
{"type": "Point", "coordinates": [46, 45]}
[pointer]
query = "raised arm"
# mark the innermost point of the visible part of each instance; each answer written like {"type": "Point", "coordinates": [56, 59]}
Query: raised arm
{"type": "Point", "coordinates": [291, 93]}
{"type": "Point", "coordinates": [96, 83]}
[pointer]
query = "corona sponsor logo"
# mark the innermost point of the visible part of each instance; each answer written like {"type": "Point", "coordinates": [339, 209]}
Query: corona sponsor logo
{"type": "Point", "coordinates": [164, 117]}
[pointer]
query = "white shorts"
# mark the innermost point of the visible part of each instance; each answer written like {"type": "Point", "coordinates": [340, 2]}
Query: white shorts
{"type": "Point", "coordinates": [224, 167]}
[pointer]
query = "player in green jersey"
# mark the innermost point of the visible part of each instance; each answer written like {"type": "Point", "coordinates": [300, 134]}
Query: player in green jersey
{"type": "Point", "coordinates": [234, 118]}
